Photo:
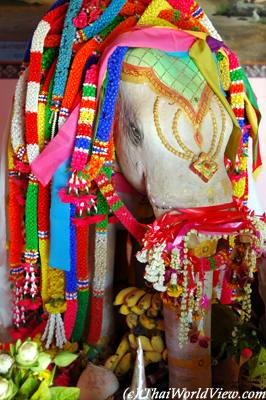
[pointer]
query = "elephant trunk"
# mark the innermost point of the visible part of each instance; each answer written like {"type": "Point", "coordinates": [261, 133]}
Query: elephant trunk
{"type": "Point", "coordinates": [189, 365]}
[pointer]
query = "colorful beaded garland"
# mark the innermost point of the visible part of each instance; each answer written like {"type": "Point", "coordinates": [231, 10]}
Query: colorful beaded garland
{"type": "Point", "coordinates": [65, 55]}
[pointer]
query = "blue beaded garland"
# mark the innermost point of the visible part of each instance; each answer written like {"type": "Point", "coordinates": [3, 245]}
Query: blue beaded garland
{"type": "Point", "coordinates": [105, 19]}
{"type": "Point", "coordinates": [109, 102]}
{"type": "Point", "coordinates": [65, 52]}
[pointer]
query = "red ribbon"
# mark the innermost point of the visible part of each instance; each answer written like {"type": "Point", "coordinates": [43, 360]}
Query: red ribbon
{"type": "Point", "coordinates": [221, 219]}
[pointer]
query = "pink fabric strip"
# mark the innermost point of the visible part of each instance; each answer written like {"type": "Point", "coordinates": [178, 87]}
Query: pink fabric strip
{"type": "Point", "coordinates": [164, 39]}
{"type": "Point", "coordinates": [57, 151]}
{"type": "Point", "coordinates": [60, 148]}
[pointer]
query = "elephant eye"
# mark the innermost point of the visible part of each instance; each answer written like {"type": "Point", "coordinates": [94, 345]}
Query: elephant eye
{"type": "Point", "coordinates": [135, 135]}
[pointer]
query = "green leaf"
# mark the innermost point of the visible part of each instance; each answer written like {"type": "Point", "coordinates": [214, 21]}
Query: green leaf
{"type": "Point", "coordinates": [64, 358]}
{"type": "Point", "coordinates": [65, 393]}
{"type": "Point", "coordinates": [12, 349]}
{"type": "Point", "coordinates": [18, 376]}
{"type": "Point", "coordinates": [44, 360]}
{"type": "Point", "coordinates": [18, 344]}
{"type": "Point", "coordinates": [28, 387]}
{"type": "Point", "coordinates": [43, 393]}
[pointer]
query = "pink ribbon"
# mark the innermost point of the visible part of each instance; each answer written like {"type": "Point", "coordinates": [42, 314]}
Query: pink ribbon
{"type": "Point", "coordinates": [57, 151]}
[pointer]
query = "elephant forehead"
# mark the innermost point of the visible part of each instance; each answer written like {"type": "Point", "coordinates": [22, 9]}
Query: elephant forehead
{"type": "Point", "coordinates": [176, 72]}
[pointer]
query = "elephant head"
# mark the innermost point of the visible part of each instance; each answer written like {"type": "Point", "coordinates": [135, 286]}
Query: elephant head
{"type": "Point", "coordinates": [161, 128]}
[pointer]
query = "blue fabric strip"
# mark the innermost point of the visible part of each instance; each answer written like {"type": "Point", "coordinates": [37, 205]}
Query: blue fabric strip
{"type": "Point", "coordinates": [60, 221]}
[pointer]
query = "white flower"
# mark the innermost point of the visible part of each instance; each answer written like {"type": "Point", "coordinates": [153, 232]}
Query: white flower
{"type": "Point", "coordinates": [6, 362]}
{"type": "Point", "coordinates": [3, 387]}
{"type": "Point", "coordinates": [159, 287]}
{"type": "Point", "coordinates": [7, 389]}
{"type": "Point", "coordinates": [28, 354]}
{"type": "Point", "coordinates": [142, 256]}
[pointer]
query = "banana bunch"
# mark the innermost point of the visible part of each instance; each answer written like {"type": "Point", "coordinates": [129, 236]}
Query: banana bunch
{"type": "Point", "coordinates": [141, 308]}
{"type": "Point", "coordinates": [123, 360]}
{"type": "Point", "coordinates": [143, 313]}
{"type": "Point", "coordinates": [154, 348]}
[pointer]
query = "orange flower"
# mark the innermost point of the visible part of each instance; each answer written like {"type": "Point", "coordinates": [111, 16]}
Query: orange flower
{"type": "Point", "coordinates": [207, 248]}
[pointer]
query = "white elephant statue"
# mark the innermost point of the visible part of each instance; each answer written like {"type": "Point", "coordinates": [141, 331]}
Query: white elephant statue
{"type": "Point", "coordinates": [163, 102]}
{"type": "Point", "coordinates": [157, 171]}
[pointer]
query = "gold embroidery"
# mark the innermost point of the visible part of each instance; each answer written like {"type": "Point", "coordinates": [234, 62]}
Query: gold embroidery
{"type": "Point", "coordinates": [203, 164]}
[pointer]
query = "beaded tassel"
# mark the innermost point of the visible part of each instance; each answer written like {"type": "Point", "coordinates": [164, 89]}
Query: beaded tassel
{"type": "Point", "coordinates": [54, 328]}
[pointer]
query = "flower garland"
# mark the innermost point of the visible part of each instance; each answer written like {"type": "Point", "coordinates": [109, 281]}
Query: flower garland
{"type": "Point", "coordinates": [177, 268]}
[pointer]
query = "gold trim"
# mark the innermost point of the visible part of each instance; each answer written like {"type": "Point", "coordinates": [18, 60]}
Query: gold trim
{"type": "Point", "coordinates": [140, 75]}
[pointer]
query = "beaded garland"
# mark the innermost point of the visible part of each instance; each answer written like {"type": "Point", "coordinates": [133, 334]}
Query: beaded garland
{"type": "Point", "coordinates": [80, 33]}
{"type": "Point", "coordinates": [26, 276]}
{"type": "Point", "coordinates": [65, 54]}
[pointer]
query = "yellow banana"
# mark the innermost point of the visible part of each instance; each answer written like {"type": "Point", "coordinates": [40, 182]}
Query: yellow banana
{"type": "Point", "coordinates": [146, 343]}
{"type": "Point", "coordinates": [137, 310]}
{"type": "Point", "coordinates": [132, 320]}
{"type": "Point", "coordinates": [145, 302]}
{"type": "Point", "coordinates": [165, 355]}
{"type": "Point", "coordinates": [147, 322]}
{"type": "Point", "coordinates": [120, 297]}
{"type": "Point", "coordinates": [152, 313]}
{"type": "Point", "coordinates": [152, 356]}
{"type": "Point", "coordinates": [124, 365]}
{"type": "Point", "coordinates": [124, 310]}
{"type": "Point", "coordinates": [156, 301]}
{"type": "Point", "coordinates": [157, 344]}
{"type": "Point", "coordinates": [133, 341]}
{"type": "Point", "coordinates": [122, 348]}
{"type": "Point", "coordinates": [133, 297]}
{"type": "Point", "coordinates": [111, 362]}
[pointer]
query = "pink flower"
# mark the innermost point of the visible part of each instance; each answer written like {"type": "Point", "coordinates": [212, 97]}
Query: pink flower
{"type": "Point", "coordinates": [246, 353]}
{"type": "Point", "coordinates": [205, 302]}
{"type": "Point", "coordinates": [81, 20]}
